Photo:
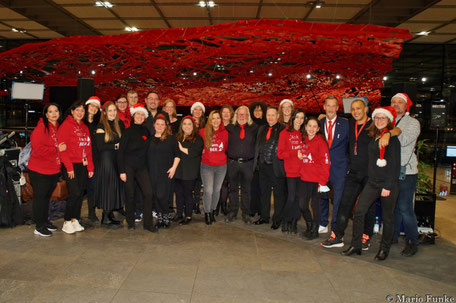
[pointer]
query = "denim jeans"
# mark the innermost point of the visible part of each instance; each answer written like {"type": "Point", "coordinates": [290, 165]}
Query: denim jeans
{"type": "Point", "coordinates": [404, 212]}
{"type": "Point", "coordinates": [212, 177]}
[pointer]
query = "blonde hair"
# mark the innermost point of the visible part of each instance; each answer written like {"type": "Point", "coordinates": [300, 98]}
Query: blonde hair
{"type": "Point", "coordinates": [236, 112]}
{"type": "Point", "coordinates": [167, 131]}
{"type": "Point", "coordinates": [109, 133]}
{"type": "Point", "coordinates": [209, 129]}
{"type": "Point", "coordinates": [174, 114]}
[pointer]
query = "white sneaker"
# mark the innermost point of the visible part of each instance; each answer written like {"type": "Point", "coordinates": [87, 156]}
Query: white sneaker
{"type": "Point", "coordinates": [77, 226]}
{"type": "Point", "coordinates": [323, 229]}
{"type": "Point", "coordinates": [68, 227]}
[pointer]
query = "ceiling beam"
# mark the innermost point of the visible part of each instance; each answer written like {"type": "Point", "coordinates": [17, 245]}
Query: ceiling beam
{"type": "Point", "coordinates": [157, 8]}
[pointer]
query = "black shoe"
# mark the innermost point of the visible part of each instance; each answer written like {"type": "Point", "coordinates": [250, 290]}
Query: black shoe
{"type": "Point", "coordinates": [112, 218]}
{"type": "Point", "coordinates": [212, 216]}
{"type": "Point", "coordinates": [152, 229]}
{"type": "Point", "coordinates": [294, 226]}
{"type": "Point", "coordinates": [275, 225]}
{"type": "Point", "coordinates": [42, 231]}
{"type": "Point", "coordinates": [410, 249]}
{"type": "Point", "coordinates": [197, 210]}
{"type": "Point", "coordinates": [93, 217]}
{"type": "Point", "coordinates": [350, 251]}
{"type": "Point", "coordinates": [286, 227]}
{"type": "Point", "coordinates": [261, 221]}
{"type": "Point", "coordinates": [131, 227]}
{"type": "Point", "coordinates": [121, 211]}
{"type": "Point", "coordinates": [312, 235]}
{"type": "Point", "coordinates": [178, 218]}
{"type": "Point", "coordinates": [106, 221]}
{"type": "Point", "coordinates": [381, 255]}
{"type": "Point", "coordinates": [51, 227]}
{"type": "Point", "coordinates": [207, 219]}
{"type": "Point", "coordinates": [185, 221]}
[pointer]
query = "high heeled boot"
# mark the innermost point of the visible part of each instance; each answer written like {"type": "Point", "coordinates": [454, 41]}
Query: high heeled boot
{"type": "Point", "coordinates": [207, 219]}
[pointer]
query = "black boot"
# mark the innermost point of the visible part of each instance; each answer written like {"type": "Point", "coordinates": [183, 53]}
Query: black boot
{"type": "Point", "coordinates": [350, 251]}
{"type": "Point", "coordinates": [410, 249]}
{"type": "Point", "coordinates": [313, 232]}
{"type": "Point", "coordinates": [294, 226]}
{"type": "Point", "coordinates": [106, 220]}
{"type": "Point", "coordinates": [91, 207]}
{"type": "Point", "coordinates": [207, 219]}
{"type": "Point", "coordinates": [212, 216]}
{"type": "Point", "coordinates": [285, 226]}
{"type": "Point", "coordinates": [381, 255]}
{"type": "Point", "coordinates": [224, 208]}
{"type": "Point", "coordinates": [196, 209]}
{"type": "Point", "coordinates": [306, 233]}
{"type": "Point", "coordinates": [112, 218]}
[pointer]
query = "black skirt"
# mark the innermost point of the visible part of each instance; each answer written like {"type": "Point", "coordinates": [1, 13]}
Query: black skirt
{"type": "Point", "coordinates": [109, 190]}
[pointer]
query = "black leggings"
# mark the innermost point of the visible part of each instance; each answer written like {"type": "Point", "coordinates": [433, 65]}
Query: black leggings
{"type": "Point", "coordinates": [138, 178]}
{"type": "Point", "coordinates": [291, 209]}
{"type": "Point", "coordinates": [76, 189]}
{"type": "Point", "coordinates": [184, 198]}
{"type": "Point", "coordinates": [43, 186]}
{"type": "Point", "coordinates": [309, 191]}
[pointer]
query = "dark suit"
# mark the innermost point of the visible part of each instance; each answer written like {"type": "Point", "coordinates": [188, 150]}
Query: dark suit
{"type": "Point", "coordinates": [338, 155]}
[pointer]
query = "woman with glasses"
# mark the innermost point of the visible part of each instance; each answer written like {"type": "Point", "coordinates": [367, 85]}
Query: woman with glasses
{"type": "Point", "coordinates": [123, 110]}
{"type": "Point", "coordinates": [285, 110]}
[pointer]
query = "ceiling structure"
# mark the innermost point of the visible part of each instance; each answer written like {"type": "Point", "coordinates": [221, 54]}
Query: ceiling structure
{"type": "Point", "coordinates": [38, 20]}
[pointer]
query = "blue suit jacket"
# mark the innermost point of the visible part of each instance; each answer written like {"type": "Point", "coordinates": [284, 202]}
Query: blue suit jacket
{"type": "Point", "coordinates": [338, 152]}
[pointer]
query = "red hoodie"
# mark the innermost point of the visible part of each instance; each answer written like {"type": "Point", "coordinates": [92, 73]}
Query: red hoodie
{"type": "Point", "coordinates": [125, 117]}
{"type": "Point", "coordinates": [44, 157]}
{"type": "Point", "coordinates": [216, 155]}
{"type": "Point", "coordinates": [289, 144]}
{"type": "Point", "coordinates": [77, 139]}
{"type": "Point", "coordinates": [316, 163]}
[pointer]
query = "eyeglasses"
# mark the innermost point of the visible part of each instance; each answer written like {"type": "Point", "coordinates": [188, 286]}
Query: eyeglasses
{"type": "Point", "coordinates": [380, 118]}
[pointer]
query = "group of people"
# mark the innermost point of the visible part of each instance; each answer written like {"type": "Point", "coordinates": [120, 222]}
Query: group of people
{"type": "Point", "coordinates": [135, 155]}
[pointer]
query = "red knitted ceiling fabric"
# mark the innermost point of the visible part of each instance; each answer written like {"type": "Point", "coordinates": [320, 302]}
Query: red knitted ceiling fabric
{"type": "Point", "coordinates": [234, 63]}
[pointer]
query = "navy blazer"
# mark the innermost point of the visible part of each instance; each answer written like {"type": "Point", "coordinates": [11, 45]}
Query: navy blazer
{"type": "Point", "coordinates": [338, 152]}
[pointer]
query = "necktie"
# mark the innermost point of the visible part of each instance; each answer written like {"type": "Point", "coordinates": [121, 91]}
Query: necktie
{"type": "Point", "coordinates": [268, 134]}
{"type": "Point", "coordinates": [242, 134]}
{"type": "Point", "coordinates": [330, 133]}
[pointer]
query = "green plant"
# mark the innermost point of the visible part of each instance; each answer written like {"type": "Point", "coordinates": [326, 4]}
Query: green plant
{"type": "Point", "coordinates": [424, 184]}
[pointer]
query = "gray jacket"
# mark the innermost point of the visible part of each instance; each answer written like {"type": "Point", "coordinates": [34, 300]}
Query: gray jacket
{"type": "Point", "coordinates": [411, 129]}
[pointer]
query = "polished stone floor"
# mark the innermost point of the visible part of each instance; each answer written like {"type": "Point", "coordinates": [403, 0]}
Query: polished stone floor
{"type": "Point", "coordinates": [219, 263]}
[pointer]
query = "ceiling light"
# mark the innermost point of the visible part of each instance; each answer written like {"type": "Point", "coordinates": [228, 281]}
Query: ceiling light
{"type": "Point", "coordinates": [269, 74]}
{"type": "Point", "coordinates": [385, 78]}
{"type": "Point", "coordinates": [423, 33]}
{"type": "Point", "coordinates": [93, 72]}
{"type": "Point", "coordinates": [206, 3]}
{"type": "Point", "coordinates": [251, 71]}
{"type": "Point", "coordinates": [19, 30]}
{"type": "Point", "coordinates": [131, 29]}
{"type": "Point", "coordinates": [424, 79]}
{"type": "Point", "coordinates": [106, 4]}
{"type": "Point", "coordinates": [337, 76]}
{"type": "Point", "coordinates": [202, 3]}
{"type": "Point", "coordinates": [195, 73]}
{"type": "Point", "coordinates": [308, 76]}
{"type": "Point", "coordinates": [211, 4]}
{"type": "Point", "coordinates": [318, 5]}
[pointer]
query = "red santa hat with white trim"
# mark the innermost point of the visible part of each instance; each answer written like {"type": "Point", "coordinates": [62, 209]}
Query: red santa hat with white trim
{"type": "Point", "coordinates": [391, 114]}
{"type": "Point", "coordinates": [95, 100]}
{"type": "Point", "coordinates": [138, 107]}
{"type": "Point", "coordinates": [406, 98]}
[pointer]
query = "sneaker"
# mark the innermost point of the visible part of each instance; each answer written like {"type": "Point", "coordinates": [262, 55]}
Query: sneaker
{"type": "Point", "coordinates": [68, 227]}
{"type": "Point", "coordinates": [51, 227]}
{"type": "Point", "coordinates": [43, 232]}
{"type": "Point", "coordinates": [154, 214]}
{"type": "Point", "coordinates": [77, 226]}
{"type": "Point", "coordinates": [365, 242]}
{"type": "Point", "coordinates": [323, 229]}
{"type": "Point", "coordinates": [138, 216]}
{"type": "Point", "coordinates": [333, 241]}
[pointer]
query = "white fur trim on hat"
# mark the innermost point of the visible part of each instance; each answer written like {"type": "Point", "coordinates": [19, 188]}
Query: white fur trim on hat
{"type": "Point", "coordinates": [194, 105]}
{"type": "Point", "coordinates": [94, 99]}
{"type": "Point", "coordinates": [381, 110]}
{"type": "Point", "coordinates": [286, 101]}
{"type": "Point", "coordinates": [400, 95]}
{"type": "Point", "coordinates": [381, 162]}
{"type": "Point", "coordinates": [136, 109]}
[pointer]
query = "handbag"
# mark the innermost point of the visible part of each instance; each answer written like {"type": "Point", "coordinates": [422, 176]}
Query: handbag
{"type": "Point", "coordinates": [60, 191]}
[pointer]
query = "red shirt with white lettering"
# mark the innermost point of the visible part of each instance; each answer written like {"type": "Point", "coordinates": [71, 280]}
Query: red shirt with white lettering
{"type": "Point", "coordinates": [216, 154]}
{"type": "Point", "coordinates": [315, 162]}
{"type": "Point", "coordinates": [289, 144]}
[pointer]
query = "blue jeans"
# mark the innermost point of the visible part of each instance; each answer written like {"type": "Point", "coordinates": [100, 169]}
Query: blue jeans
{"type": "Point", "coordinates": [404, 212]}
{"type": "Point", "coordinates": [212, 177]}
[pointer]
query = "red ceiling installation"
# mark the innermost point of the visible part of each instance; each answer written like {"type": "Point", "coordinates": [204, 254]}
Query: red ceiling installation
{"type": "Point", "coordinates": [235, 63]}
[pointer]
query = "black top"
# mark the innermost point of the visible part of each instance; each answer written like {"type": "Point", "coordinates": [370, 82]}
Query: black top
{"type": "Point", "coordinates": [358, 161]}
{"type": "Point", "coordinates": [92, 130]}
{"type": "Point", "coordinates": [385, 177]}
{"type": "Point", "coordinates": [149, 123]}
{"type": "Point", "coordinates": [99, 137]}
{"type": "Point", "coordinates": [189, 165]}
{"type": "Point", "coordinates": [266, 150]}
{"type": "Point", "coordinates": [175, 127]}
{"type": "Point", "coordinates": [160, 156]}
{"type": "Point", "coordinates": [241, 148]}
{"type": "Point", "coordinates": [258, 121]}
{"type": "Point", "coordinates": [133, 147]}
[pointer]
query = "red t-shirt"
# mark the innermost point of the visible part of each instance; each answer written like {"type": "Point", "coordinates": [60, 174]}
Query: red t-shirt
{"type": "Point", "coordinates": [316, 162]}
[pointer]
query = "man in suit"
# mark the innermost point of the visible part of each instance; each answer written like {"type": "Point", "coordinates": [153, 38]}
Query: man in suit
{"type": "Point", "coordinates": [336, 131]}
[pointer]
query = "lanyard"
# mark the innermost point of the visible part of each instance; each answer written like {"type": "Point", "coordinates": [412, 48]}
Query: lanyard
{"type": "Point", "coordinates": [357, 135]}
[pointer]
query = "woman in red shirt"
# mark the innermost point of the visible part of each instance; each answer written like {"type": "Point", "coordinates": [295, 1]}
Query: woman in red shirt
{"type": "Point", "coordinates": [44, 167]}
{"type": "Point", "coordinates": [77, 164]}
{"type": "Point", "coordinates": [290, 142]}
{"type": "Point", "coordinates": [213, 163]}
{"type": "Point", "coordinates": [314, 175]}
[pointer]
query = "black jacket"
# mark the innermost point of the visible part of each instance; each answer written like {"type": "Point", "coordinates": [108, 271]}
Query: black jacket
{"type": "Point", "coordinates": [133, 147]}
{"type": "Point", "coordinates": [189, 165]}
{"type": "Point", "coordinates": [269, 148]}
{"type": "Point", "coordinates": [385, 177]}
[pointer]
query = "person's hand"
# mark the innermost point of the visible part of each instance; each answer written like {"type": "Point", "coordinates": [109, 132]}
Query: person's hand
{"type": "Point", "coordinates": [71, 174]}
{"type": "Point", "coordinates": [90, 174]}
{"type": "Point", "coordinates": [62, 147]}
{"type": "Point", "coordinates": [384, 140]}
{"type": "Point", "coordinates": [123, 177]}
{"type": "Point", "coordinates": [385, 192]}
{"type": "Point", "coordinates": [321, 116]}
{"type": "Point", "coordinates": [171, 172]}
{"type": "Point", "coordinates": [116, 146]}
{"type": "Point", "coordinates": [300, 156]}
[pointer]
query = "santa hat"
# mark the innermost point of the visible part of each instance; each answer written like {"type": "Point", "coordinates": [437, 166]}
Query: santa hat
{"type": "Point", "coordinates": [404, 97]}
{"type": "Point", "coordinates": [196, 104]}
{"type": "Point", "coordinates": [94, 99]}
{"type": "Point", "coordinates": [389, 112]}
{"type": "Point", "coordinates": [286, 101]}
{"type": "Point", "coordinates": [138, 107]}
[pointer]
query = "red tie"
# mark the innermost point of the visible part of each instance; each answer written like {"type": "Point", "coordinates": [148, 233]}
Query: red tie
{"type": "Point", "coordinates": [268, 134]}
{"type": "Point", "coordinates": [330, 133]}
{"type": "Point", "coordinates": [242, 134]}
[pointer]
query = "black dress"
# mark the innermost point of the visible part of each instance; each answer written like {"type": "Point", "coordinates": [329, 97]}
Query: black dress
{"type": "Point", "coordinates": [109, 188]}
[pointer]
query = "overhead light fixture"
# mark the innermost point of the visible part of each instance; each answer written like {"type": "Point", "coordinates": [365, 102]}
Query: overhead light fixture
{"type": "Point", "coordinates": [424, 79]}
{"type": "Point", "coordinates": [19, 30]}
{"type": "Point", "coordinates": [93, 72]}
{"type": "Point", "coordinates": [385, 78]}
{"type": "Point", "coordinates": [195, 73]}
{"type": "Point", "coordinates": [105, 4]}
{"type": "Point", "coordinates": [423, 33]}
{"type": "Point", "coordinates": [206, 3]}
{"type": "Point", "coordinates": [269, 74]}
{"type": "Point", "coordinates": [316, 3]}
{"type": "Point", "coordinates": [308, 76]}
{"type": "Point", "coordinates": [131, 29]}
{"type": "Point", "coordinates": [337, 76]}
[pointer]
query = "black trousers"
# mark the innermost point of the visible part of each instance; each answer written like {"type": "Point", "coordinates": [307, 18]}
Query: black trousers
{"type": "Point", "coordinates": [138, 178]}
{"type": "Point", "coordinates": [240, 174]}
{"type": "Point", "coordinates": [184, 198]}
{"type": "Point", "coordinates": [354, 184]}
{"type": "Point", "coordinates": [172, 190]}
{"type": "Point", "coordinates": [308, 191]}
{"type": "Point", "coordinates": [43, 186]}
{"type": "Point", "coordinates": [76, 188]}
{"type": "Point", "coordinates": [369, 195]}
{"type": "Point", "coordinates": [197, 191]}
{"type": "Point", "coordinates": [291, 208]}
{"type": "Point", "coordinates": [224, 191]}
{"type": "Point", "coordinates": [161, 187]}
{"type": "Point", "coordinates": [268, 182]}
{"type": "Point", "coordinates": [255, 194]}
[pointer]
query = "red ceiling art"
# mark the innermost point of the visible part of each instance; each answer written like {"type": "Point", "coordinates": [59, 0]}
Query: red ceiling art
{"type": "Point", "coordinates": [234, 63]}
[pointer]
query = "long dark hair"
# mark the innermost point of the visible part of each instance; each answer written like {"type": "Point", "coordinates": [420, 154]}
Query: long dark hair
{"type": "Point", "coordinates": [293, 117]}
{"type": "Point", "coordinates": [304, 133]}
{"type": "Point", "coordinates": [96, 117]}
{"type": "Point", "coordinates": [180, 134]}
{"type": "Point", "coordinates": [45, 120]}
